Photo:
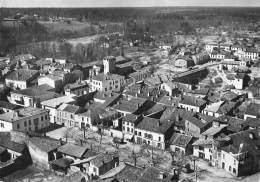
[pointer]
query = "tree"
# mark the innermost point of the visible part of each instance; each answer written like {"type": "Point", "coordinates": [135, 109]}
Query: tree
{"type": "Point", "coordinates": [186, 28]}
{"type": "Point", "coordinates": [179, 160]}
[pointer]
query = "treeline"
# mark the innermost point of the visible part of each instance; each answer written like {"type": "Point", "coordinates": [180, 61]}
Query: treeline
{"type": "Point", "coordinates": [77, 54]}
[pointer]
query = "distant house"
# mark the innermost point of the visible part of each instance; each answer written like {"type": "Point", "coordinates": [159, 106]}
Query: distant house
{"type": "Point", "coordinates": [21, 78]}
{"type": "Point", "coordinates": [184, 63]}
{"type": "Point", "coordinates": [153, 132]}
{"type": "Point", "coordinates": [240, 154]}
{"type": "Point", "coordinates": [102, 164]}
{"type": "Point", "coordinates": [252, 110]}
{"type": "Point", "coordinates": [170, 87]}
{"type": "Point", "coordinates": [79, 88]}
{"type": "Point", "coordinates": [195, 126]}
{"type": "Point", "coordinates": [33, 96]}
{"type": "Point", "coordinates": [53, 103]}
{"type": "Point", "coordinates": [25, 120]}
{"type": "Point", "coordinates": [72, 151]}
{"type": "Point", "coordinates": [191, 103]}
{"type": "Point", "coordinates": [238, 80]}
{"type": "Point", "coordinates": [8, 107]}
{"type": "Point", "coordinates": [141, 75]}
{"type": "Point", "coordinates": [181, 143]}
{"type": "Point", "coordinates": [130, 106]}
{"type": "Point", "coordinates": [66, 114]}
{"type": "Point", "coordinates": [51, 80]}
{"type": "Point", "coordinates": [107, 82]}
{"type": "Point", "coordinates": [129, 122]}
{"type": "Point", "coordinates": [43, 150]}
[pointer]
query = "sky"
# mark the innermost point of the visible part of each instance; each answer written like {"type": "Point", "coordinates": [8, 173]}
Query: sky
{"type": "Point", "coordinates": [125, 3]}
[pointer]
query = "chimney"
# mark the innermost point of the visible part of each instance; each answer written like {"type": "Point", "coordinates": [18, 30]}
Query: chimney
{"type": "Point", "coordinates": [148, 94]}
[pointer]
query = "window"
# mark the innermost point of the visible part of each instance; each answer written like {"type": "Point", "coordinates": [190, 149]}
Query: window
{"type": "Point", "coordinates": [94, 169]}
{"type": "Point", "coordinates": [132, 130]}
{"type": "Point", "coordinates": [229, 168]}
{"type": "Point", "coordinates": [201, 148]}
{"type": "Point", "coordinates": [82, 119]}
{"type": "Point", "coordinates": [139, 133]}
{"type": "Point", "coordinates": [123, 128]}
{"type": "Point", "coordinates": [46, 117]}
{"type": "Point", "coordinates": [71, 116]}
{"type": "Point", "coordinates": [159, 138]}
{"type": "Point", "coordinates": [18, 126]}
{"type": "Point", "coordinates": [36, 121]}
{"type": "Point", "coordinates": [223, 156]}
{"type": "Point", "coordinates": [135, 132]}
{"type": "Point", "coordinates": [41, 118]}
{"type": "Point", "coordinates": [234, 162]}
{"type": "Point", "coordinates": [128, 129]}
{"type": "Point", "coordinates": [2, 125]}
{"type": "Point", "coordinates": [234, 171]}
{"type": "Point", "coordinates": [30, 122]}
{"type": "Point", "coordinates": [25, 124]}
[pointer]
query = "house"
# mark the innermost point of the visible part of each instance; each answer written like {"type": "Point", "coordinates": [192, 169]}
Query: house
{"type": "Point", "coordinates": [191, 103]}
{"type": "Point", "coordinates": [132, 105]}
{"type": "Point", "coordinates": [21, 78]}
{"type": "Point", "coordinates": [153, 132]}
{"type": "Point", "coordinates": [53, 81]}
{"type": "Point", "coordinates": [195, 126]}
{"type": "Point", "coordinates": [43, 150]}
{"type": "Point", "coordinates": [25, 120]}
{"type": "Point", "coordinates": [54, 103]}
{"type": "Point", "coordinates": [33, 96]}
{"type": "Point", "coordinates": [203, 148]}
{"type": "Point", "coordinates": [8, 107]}
{"type": "Point", "coordinates": [129, 122]}
{"type": "Point", "coordinates": [170, 87]}
{"type": "Point", "coordinates": [108, 99]}
{"type": "Point", "coordinates": [66, 114]}
{"type": "Point", "coordinates": [107, 82]}
{"type": "Point", "coordinates": [152, 174]}
{"type": "Point", "coordinates": [14, 156]}
{"type": "Point", "coordinates": [211, 47]}
{"type": "Point", "coordinates": [219, 54]}
{"type": "Point", "coordinates": [102, 163]}
{"type": "Point", "coordinates": [253, 123]}
{"type": "Point", "coordinates": [79, 88]}
{"type": "Point", "coordinates": [181, 143]}
{"type": "Point", "coordinates": [252, 110]}
{"type": "Point", "coordinates": [240, 154]}
{"type": "Point", "coordinates": [249, 53]}
{"type": "Point", "coordinates": [184, 63]}
{"type": "Point", "coordinates": [72, 151]}
{"type": "Point", "coordinates": [231, 64]}
{"type": "Point", "coordinates": [141, 75]}
{"type": "Point", "coordinates": [236, 80]}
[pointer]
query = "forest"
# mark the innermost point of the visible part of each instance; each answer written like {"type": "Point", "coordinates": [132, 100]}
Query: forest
{"type": "Point", "coordinates": [136, 23]}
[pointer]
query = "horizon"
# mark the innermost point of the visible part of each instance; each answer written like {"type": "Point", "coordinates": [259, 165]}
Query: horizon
{"type": "Point", "coordinates": [125, 3]}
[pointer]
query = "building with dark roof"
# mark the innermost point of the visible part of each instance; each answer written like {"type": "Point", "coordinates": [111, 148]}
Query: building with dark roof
{"type": "Point", "coordinates": [43, 150]}
{"type": "Point", "coordinates": [181, 143]}
{"type": "Point", "coordinates": [79, 88]}
{"type": "Point", "coordinates": [154, 132]}
{"type": "Point", "coordinates": [32, 96]}
{"type": "Point", "coordinates": [191, 103]}
{"type": "Point", "coordinates": [241, 154]}
{"type": "Point", "coordinates": [252, 110]}
{"type": "Point", "coordinates": [21, 78]}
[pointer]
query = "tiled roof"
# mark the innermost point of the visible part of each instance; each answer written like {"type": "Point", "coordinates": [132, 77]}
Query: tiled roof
{"type": "Point", "coordinates": [131, 105]}
{"type": "Point", "coordinates": [8, 105]}
{"type": "Point", "coordinates": [253, 109]}
{"type": "Point", "coordinates": [252, 145]}
{"type": "Point", "coordinates": [55, 102]}
{"type": "Point", "coordinates": [109, 76]}
{"type": "Point", "coordinates": [154, 125]}
{"type": "Point", "coordinates": [22, 74]}
{"type": "Point", "coordinates": [180, 140]}
{"type": "Point", "coordinates": [212, 131]}
{"type": "Point", "coordinates": [193, 101]}
{"type": "Point", "coordinates": [71, 108]}
{"type": "Point", "coordinates": [45, 144]}
{"type": "Point", "coordinates": [101, 159]}
{"type": "Point", "coordinates": [197, 122]}
{"type": "Point", "coordinates": [131, 118]}
{"type": "Point", "coordinates": [151, 174]}
{"type": "Point", "coordinates": [5, 141]}
{"type": "Point", "coordinates": [73, 150]}
{"type": "Point", "coordinates": [253, 122]}
{"type": "Point", "coordinates": [129, 173]}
